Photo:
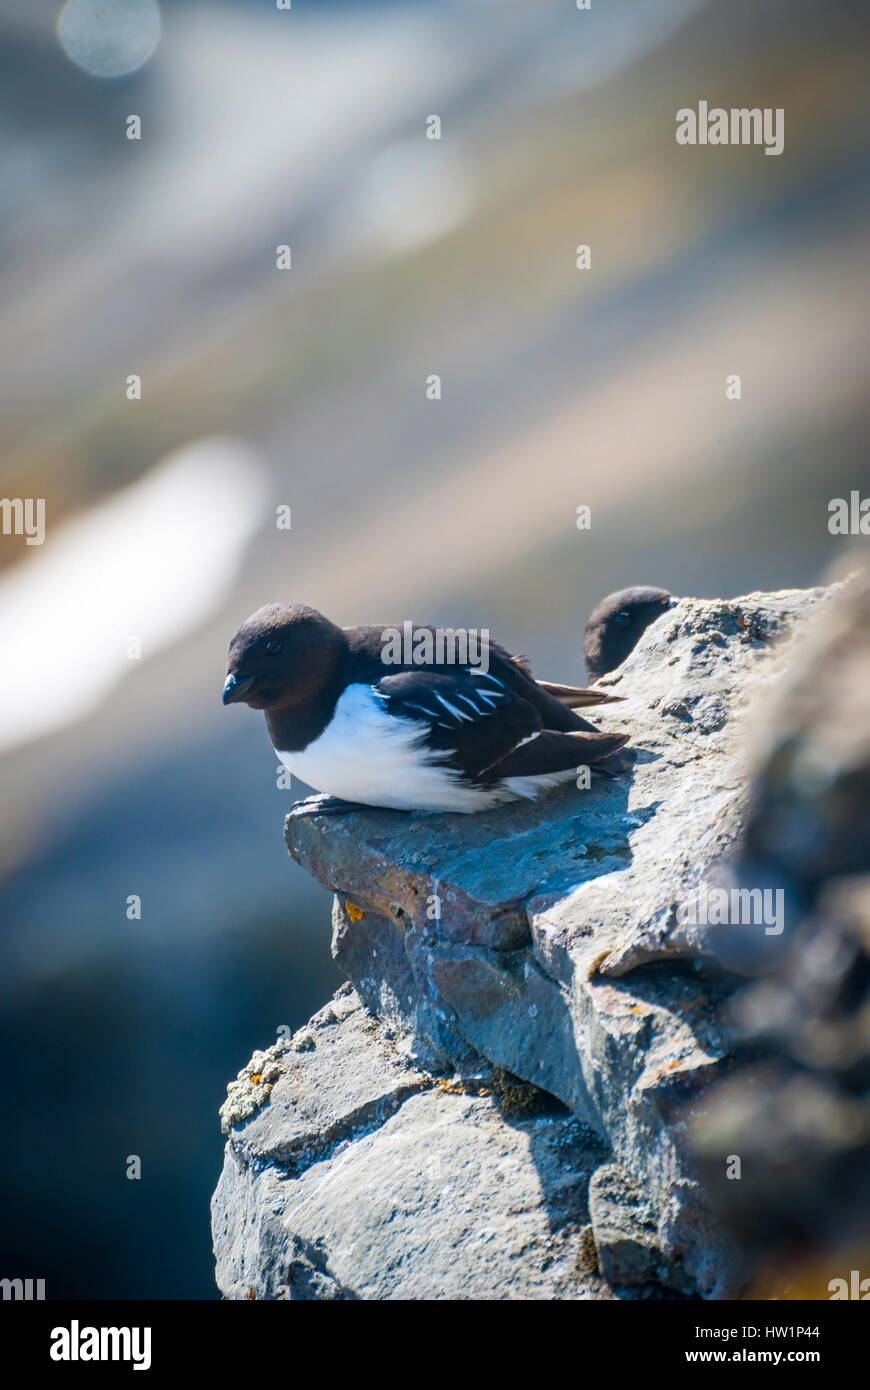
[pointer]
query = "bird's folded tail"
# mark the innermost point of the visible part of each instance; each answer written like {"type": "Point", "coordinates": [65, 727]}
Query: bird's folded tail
{"type": "Point", "coordinates": [554, 752]}
{"type": "Point", "coordinates": [576, 697]}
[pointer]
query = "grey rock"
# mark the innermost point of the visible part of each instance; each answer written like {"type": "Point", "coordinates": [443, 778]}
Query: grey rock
{"type": "Point", "coordinates": [796, 1111]}
{"type": "Point", "coordinates": [810, 804]}
{"type": "Point", "coordinates": [351, 1184]}
{"type": "Point", "coordinates": [625, 1227]}
{"type": "Point", "coordinates": [540, 940]}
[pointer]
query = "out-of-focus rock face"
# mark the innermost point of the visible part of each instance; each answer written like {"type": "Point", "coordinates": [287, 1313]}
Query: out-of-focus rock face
{"type": "Point", "coordinates": [798, 1116]}
{"type": "Point", "coordinates": [527, 1010]}
{"type": "Point", "coordinates": [810, 814]}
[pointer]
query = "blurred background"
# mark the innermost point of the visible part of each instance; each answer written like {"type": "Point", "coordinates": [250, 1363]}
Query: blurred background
{"type": "Point", "coordinates": [306, 388]}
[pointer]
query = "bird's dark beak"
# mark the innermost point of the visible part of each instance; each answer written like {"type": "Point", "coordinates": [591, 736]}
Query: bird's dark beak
{"type": "Point", "coordinates": [236, 688]}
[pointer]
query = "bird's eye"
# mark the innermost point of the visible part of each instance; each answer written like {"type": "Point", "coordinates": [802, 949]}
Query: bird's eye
{"type": "Point", "coordinates": [273, 645]}
{"type": "Point", "coordinates": [621, 618]}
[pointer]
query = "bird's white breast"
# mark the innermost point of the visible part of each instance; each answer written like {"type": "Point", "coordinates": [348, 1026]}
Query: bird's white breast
{"type": "Point", "coordinates": [365, 754]}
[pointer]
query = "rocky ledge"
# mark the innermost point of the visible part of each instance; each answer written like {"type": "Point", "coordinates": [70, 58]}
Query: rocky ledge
{"type": "Point", "coordinates": [497, 1104]}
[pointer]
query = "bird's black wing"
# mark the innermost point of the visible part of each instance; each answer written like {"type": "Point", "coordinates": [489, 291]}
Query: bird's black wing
{"type": "Point", "coordinates": [486, 729]}
{"type": "Point", "coordinates": [553, 751]}
{"type": "Point", "coordinates": [469, 714]}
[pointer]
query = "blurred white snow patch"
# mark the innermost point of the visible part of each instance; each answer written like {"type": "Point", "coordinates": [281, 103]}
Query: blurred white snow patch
{"type": "Point", "coordinates": [150, 564]}
{"type": "Point", "coordinates": [411, 194]}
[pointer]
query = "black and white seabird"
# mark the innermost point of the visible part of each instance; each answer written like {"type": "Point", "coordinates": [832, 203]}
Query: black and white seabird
{"type": "Point", "coordinates": [416, 737]}
{"type": "Point", "coordinates": [618, 622]}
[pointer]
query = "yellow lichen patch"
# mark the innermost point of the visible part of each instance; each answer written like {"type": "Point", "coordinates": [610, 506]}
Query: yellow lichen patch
{"type": "Point", "coordinates": [257, 1078]}
{"type": "Point", "coordinates": [458, 1087]}
{"type": "Point", "coordinates": [594, 965]}
{"type": "Point", "coordinates": [587, 1253]}
{"type": "Point", "coordinates": [513, 1096]}
{"type": "Point", "coordinates": [355, 913]}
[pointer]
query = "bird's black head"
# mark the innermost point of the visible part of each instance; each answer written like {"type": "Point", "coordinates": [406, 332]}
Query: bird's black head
{"type": "Point", "coordinates": [617, 624]}
{"type": "Point", "coordinates": [281, 656]}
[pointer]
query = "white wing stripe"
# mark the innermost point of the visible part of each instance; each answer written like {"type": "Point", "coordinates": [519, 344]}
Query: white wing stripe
{"type": "Point", "coordinates": [451, 709]}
